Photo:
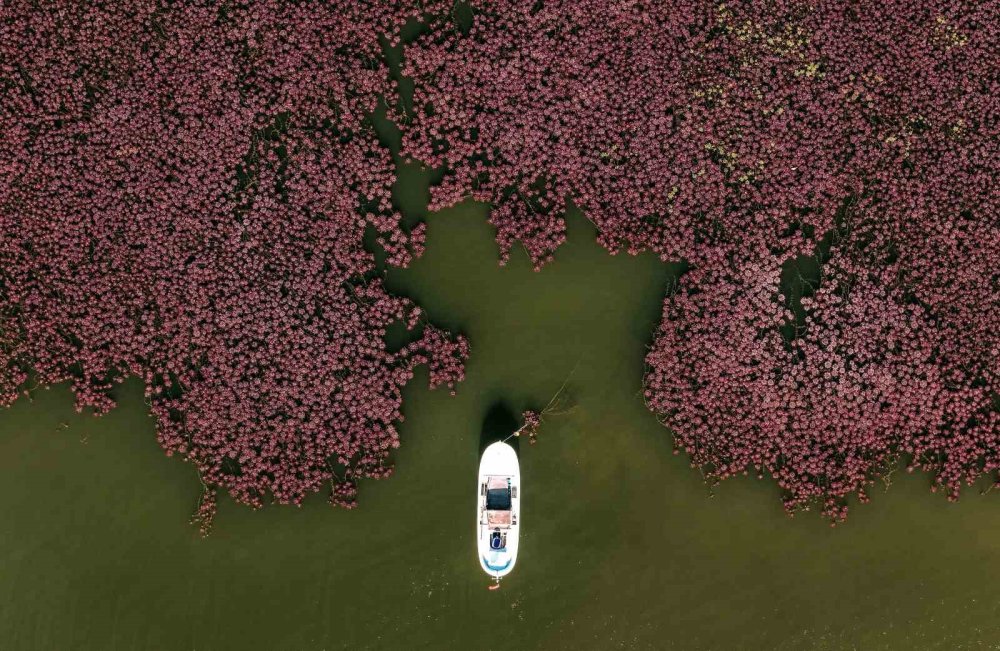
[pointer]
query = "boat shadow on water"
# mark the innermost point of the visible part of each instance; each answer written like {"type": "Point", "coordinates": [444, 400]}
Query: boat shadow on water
{"type": "Point", "coordinates": [498, 424]}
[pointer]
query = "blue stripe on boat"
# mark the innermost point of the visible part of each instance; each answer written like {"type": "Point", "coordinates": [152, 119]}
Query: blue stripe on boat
{"type": "Point", "coordinates": [496, 568]}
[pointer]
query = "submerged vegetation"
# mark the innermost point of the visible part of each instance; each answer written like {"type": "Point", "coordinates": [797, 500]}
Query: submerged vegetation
{"type": "Point", "coordinates": [186, 192]}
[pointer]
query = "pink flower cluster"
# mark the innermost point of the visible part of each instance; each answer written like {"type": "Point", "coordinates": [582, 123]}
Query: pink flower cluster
{"type": "Point", "coordinates": [204, 515]}
{"type": "Point", "coordinates": [183, 196]}
{"type": "Point", "coordinates": [532, 423]}
{"type": "Point", "coordinates": [754, 140]}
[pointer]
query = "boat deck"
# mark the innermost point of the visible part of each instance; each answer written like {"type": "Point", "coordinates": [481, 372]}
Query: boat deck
{"type": "Point", "coordinates": [498, 518]}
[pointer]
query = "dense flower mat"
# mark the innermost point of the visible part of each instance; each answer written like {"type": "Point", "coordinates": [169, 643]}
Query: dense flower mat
{"type": "Point", "coordinates": [184, 190]}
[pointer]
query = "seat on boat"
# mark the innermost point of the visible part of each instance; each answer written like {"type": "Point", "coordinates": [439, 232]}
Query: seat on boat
{"type": "Point", "coordinates": [496, 540]}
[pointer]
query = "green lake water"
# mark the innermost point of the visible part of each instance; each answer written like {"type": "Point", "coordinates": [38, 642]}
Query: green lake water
{"type": "Point", "coordinates": [624, 546]}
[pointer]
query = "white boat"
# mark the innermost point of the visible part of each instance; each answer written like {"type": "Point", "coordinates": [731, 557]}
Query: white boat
{"type": "Point", "coordinates": [498, 509]}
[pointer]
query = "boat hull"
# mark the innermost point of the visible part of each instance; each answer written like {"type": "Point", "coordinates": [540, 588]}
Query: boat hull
{"type": "Point", "coordinates": [498, 528]}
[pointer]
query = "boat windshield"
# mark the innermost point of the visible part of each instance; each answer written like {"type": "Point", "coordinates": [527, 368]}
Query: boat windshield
{"type": "Point", "coordinates": [498, 499]}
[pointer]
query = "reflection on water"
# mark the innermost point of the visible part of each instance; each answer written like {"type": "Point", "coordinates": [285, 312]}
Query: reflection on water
{"type": "Point", "coordinates": [623, 544]}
